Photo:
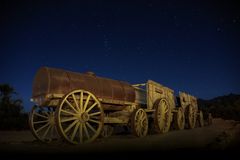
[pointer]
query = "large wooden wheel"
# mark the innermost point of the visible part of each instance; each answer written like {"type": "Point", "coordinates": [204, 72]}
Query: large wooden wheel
{"type": "Point", "coordinates": [200, 119]}
{"type": "Point", "coordinates": [162, 116]}
{"type": "Point", "coordinates": [42, 124]}
{"type": "Point", "coordinates": [179, 119]}
{"type": "Point", "coordinates": [79, 117]}
{"type": "Point", "coordinates": [139, 123]}
{"type": "Point", "coordinates": [191, 116]}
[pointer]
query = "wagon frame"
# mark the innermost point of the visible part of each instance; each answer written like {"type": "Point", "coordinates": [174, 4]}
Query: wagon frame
{"type": "Point", "coordinates": [79, 116]}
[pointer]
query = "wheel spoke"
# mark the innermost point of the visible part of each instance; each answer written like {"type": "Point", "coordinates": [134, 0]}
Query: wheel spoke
{"type": "Point", "coordinates": [164, 105]}
{"type": "Point", "coordinates": [139, 114]}
{"type": "Point", "coordinates": [45, 133]}
{"type": "Point", "coordinates": [137, 127]}
{"type": "Point", "coordinates": [70, 105]}
{"type": "Point", "coordinates": [46, 113]}
{"type": "Point", "coordinates": [142, 115]}
{"type": "Point", "coordinates": [68, 119]}
{"type": "Point", "coordinates": [70, 126]}
{"type": "Point", "coordinates": [166, 110]}
{"type": "Point", "coordinates": [86, 131]}
{"type": "Point", "coordinates": [86, 103]}
{"type": "Point", "coordinates": [91, 107]}
{"type": "Point", "coordinates": [64, 111]}
{"type": "Point", "coordinates": [39, 115]}
{"type": "Point", "coordinates": [91, 127]}
{"type": "Point", "coordinates": [94, 114]}
{"type": "Point", "coordinates": [44, 126]}
{"type": "Point", "coordinates": [94, 121]}
{"type": "Point", "coordinates": [75, 131]}
{"type": "Point", "coordinates": [81, 132]}
{"type": "Point", "coordinates": [81, 102]}
{"type": "Point", "coordinates": [52, 131]}
{"type": "Point", "coordinates": [75, 101]}
{"type": "Point", "coordinates": [38, 122]}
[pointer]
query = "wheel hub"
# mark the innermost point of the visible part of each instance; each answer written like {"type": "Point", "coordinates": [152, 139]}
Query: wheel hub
{"type": "Point", "coordinates": [84, 117]}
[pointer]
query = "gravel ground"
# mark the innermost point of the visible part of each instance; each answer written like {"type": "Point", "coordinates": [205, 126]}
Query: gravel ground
{"type": "Point", "coordinates": [222, 135]}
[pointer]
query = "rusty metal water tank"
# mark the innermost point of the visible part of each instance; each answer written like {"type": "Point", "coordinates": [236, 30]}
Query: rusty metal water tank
{"type": "Point", "coordinates": [49, 81]}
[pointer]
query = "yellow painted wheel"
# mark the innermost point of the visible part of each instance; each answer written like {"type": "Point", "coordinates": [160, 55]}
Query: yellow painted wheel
{"type": "Point", "coordinates": [139, 123]}
{"type": "Point", "coordinates": [191, 116]}
{"type": "Point", "coordinates": [107, 131]}
{"type": "Point", "coordinates": [79, 117]}
{"type": "Point", "coordinates": [42, 124]}
{"type": "Point", "coordinates": [179, 119]}
{"type": "Point", "coordinates": [162, 116]}
{"type": "Point", "coordinates": [200, 119]}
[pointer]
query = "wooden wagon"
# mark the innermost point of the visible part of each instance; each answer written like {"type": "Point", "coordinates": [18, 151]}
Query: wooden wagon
{"type": "Point", "coordinates": [81, 107]}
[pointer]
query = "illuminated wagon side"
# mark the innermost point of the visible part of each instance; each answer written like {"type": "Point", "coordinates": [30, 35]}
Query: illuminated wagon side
{"type": "Point", "coordinates": [81, 107]}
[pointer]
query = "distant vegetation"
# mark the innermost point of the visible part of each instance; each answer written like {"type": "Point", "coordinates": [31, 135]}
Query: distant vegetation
{"type": "Point", "coordinates": [226, 107]}
{"type": "Point", "coordinates": [12, 116]}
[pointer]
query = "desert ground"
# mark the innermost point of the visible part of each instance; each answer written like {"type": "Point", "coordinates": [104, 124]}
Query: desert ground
{"type": "Point", "coordinates": [220, 136]}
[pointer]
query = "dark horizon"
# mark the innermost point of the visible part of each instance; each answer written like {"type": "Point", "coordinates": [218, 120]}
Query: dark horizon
{"type": "Point", "coordinates": [186, 46]}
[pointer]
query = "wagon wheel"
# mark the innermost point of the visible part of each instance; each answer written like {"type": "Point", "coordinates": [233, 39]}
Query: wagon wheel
{"type": "Point", "coordinates": [139, 123]}
{"type": "Point", "coordinates": [200, 119]}
{"type": "Point", "coordinates": [191, 116]}
{"type": "Point", "coordinates": [107, 131]}
{"type": "Point", "coordinates": [79, 117]}
{"type": "Point", "coordinates": [162, 116]}
{"type": "Point", "coordinates": [42, 124]}
{"type": "Point", "coordinates": [179, 119]}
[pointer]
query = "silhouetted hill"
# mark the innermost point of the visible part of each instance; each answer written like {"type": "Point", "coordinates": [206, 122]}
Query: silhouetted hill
{"type": "Point", "coordinates": [226, 107]}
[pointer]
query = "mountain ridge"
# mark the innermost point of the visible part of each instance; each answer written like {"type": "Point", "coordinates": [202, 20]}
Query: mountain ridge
{"type": "Point", "coordinates": [226, 106]}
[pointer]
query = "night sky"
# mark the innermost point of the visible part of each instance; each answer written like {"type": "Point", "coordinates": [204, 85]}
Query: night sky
{"type": "Point", "coordinates": [191, 46]}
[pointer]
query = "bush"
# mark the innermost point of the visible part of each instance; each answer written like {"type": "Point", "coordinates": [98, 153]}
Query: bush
{"type": "Point", "coordinates": [11, 110]}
